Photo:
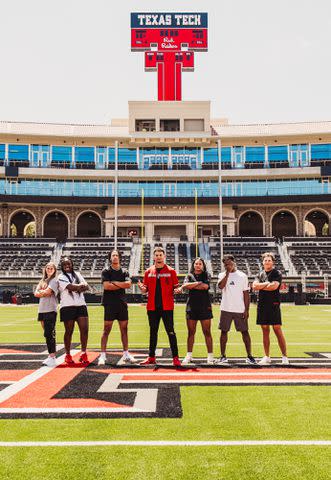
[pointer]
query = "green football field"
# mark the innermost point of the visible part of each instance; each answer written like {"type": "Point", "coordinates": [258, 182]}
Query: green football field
{"type": "Point", "coordinates": [210, 413]}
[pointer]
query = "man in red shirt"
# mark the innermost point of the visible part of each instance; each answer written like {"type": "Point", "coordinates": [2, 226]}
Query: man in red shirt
{"type": "Point", "coordinates": [160, 281]}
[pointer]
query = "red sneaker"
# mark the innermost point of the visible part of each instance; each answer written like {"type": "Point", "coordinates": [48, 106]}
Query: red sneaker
{"type": "Point", "coordinates": [176, 362]}
{"type": "Point", "coordinates": [83, 358]}
{"type": "Point", "coordinates": [149, 361]}
{"type": "Point", "coordinates": [68, 359]}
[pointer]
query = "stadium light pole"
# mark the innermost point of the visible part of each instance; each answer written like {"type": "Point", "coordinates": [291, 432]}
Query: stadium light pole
{"type": "Point", "coordinates": [196, 224]}
{"type": "Point", "coordinates": [219, 150]}
{"type": "Point", "coordinates": [116, 195]}
{"type": "Point", "coordinates": [142, 230]}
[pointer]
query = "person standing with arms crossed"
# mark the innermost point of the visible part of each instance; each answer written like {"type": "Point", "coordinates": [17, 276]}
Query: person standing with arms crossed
{"type": "Point", "coordinates": [198, 308]}
{"type": "Point", "coordinates": [268, 308]}
{"type": "Point", "coordinates": [160, 282]}
{"type": "Point", "coordinates": [234, 306]}
{"type": "Point", "coordinates": [115, 280]}
{"type": "Point", "coordinates": [73, 308]}
{"type": "Point", "coordinates": [46, 291]}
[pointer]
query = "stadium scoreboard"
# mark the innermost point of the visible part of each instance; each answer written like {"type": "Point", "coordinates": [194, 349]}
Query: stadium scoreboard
{"type": "Point", "coordinates": [169, 41]}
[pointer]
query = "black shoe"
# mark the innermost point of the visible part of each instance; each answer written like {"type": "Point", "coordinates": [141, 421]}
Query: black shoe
{"type": "Point", "coordinates": [251, 360]}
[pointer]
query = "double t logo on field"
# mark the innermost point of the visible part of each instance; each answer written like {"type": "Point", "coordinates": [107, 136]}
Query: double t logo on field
{"type": "Point", "coordinates": [30, 390]}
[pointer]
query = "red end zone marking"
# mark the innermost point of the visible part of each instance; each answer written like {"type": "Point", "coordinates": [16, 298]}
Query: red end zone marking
{"type": "Point", "coordinates": [13, 375]}
{"type": "Point", "coordinates": [11, 350]}
{"type": "Point", "coordinates": [39, 394]}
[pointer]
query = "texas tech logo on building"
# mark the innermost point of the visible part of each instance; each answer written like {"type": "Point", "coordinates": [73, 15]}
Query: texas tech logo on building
{"type": "Point", "coordinates": [169, 41]}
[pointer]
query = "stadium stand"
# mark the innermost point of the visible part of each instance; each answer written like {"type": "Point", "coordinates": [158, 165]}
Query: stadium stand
{"type": "Point", "coordinates": [310, 256]}
{"type": "Point", "coordinates": [25, 257]}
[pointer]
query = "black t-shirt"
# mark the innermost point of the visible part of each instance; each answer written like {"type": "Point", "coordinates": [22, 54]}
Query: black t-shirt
{"type": "Point", "coordinates": [198, 299]}
{"type": "Point", "coordinates": [267, 298]}
{"type": "Point", "coordinates": [158, 292]}
{"type": "Point", "coordinates": [110, 297]}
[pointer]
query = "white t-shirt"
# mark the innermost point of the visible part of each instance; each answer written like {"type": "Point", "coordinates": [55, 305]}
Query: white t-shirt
{"type": "Point", "coordinates": [70, 299]}
{"type": "Point", "coordinates": [232, 294]}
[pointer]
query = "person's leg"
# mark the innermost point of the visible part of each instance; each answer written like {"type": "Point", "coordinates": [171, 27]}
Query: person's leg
{"type": "Point", "coordinates": [83, 330]}
{"type": "Point", "coordinates": [223, 341]}
{"type": "Point", "coordinates": [154, 318]}
{"type": "Point", "coordinates": [168, 321]}
{"type": "Point", "coordinates": [247, 341]}
{"type": "Point", "coordinates": [280, 338]}
{"type": "Point", "coordinates": [191, 327]}
{"type": "Point", "coordinates": [206, 329]}
{"type": "Point", "coordinates": [50, 334]}
{"type": "Point", "coordinates": [124, 334]}
{"type": "Point", "coordinates": [266, 339]}
{"type": "Point", "coordinates": [107, 326]}
{"type": "Point", "coordinates": [69, 326]}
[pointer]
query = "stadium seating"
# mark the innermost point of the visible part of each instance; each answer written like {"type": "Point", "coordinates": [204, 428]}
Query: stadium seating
{"type": "Point", "coordinates": [24, 256]}
{"type": "Point", "coordinates": [310, 256]}
{"type": "Point", "coordinates": [247, 252]}
{"type": "Point", "coordinates": [90, 257]}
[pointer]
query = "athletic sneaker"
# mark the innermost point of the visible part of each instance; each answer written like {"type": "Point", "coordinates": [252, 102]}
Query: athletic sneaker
{"type": "Point", "coordinates": [149, 361]}
{"type": "Point", "coordinates": [176, 362]}
{"type": "Point", "coordinates": [187, 360]}
{"type": "Point", "coordinates": [102, 360]}
{"type": "Point", "coordinates": [221, 360]}
{"type": "Point", "coordinates": [265, 361]}
{"type": "Point", "coordinates": [83, 358]}
{"type": "Point", "coordinates": [128, 358]}
{"type": "Point", "coordinates": [251, 360]}
{"type": "Point", "coordinates": [285, 361]}
{"type": "Point", "coordinates": [50, 362]}
{"type": "Point", "coordinates": [210, 361]}
{"type": "Point", "coordinates": [68, 359]}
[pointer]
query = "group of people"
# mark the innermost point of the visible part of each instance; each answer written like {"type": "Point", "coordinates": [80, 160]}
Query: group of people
{"type": "Point", "coordinates": [161, 284]}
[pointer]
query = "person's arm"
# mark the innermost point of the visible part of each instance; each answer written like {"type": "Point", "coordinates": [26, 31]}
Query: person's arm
{"type": "Point", "coordinates": [190, 285]}
{"type": "Point", "coordinates": [269, 286]}
{"type": "Point", "coordinates": [110, 286]}
{"type": "Point", "coordinates": [47, 292]}
{"type": "Point", "coordinates": [143, 286]}
{"type": "Point", "coordinates": [126, 284]}
{"type": "Point", "coordinates": [246, 302]}
{"type": "Point", "coordinates": [223, 281]}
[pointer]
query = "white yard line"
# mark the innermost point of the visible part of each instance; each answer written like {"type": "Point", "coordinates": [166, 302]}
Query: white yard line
{"type": "Point", "coordinates": [169, 443]}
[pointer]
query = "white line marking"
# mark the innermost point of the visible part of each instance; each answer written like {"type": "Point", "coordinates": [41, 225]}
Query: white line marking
{"type": "Point", "coordinates": [145, 400]}
{"type": "Point", "coordinates": [24, 382]}
{"type": "Point", "coordinates": [169, 443]}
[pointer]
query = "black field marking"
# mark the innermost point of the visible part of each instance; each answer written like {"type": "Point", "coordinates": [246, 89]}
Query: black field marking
{"type": "Point", "coordinates": [115, 391]}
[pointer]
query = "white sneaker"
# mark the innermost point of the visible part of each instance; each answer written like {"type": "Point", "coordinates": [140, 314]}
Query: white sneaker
{"type": "Point", "coordinates": [265, 361]}
{"type": "Point", "coordinates": [210, 361]}
{"type": "Point", "coordinates": [187, 360]}
{"type": "Point", "coordinates": [285, 361]}
{"type": "Point", "coordinates": [50, 362]}
{"type": "Point", "coordinates": [128, 358]}
{"type": "Point", "coordinates": [102, 360]}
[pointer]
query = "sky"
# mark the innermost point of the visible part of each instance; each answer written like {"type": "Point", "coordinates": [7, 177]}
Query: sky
{"type": "Point", "coordinates": [69, 61]}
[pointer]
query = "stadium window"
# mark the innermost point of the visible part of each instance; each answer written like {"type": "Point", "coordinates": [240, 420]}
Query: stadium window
{"type": "Point", "coordinates": [18, 155]}
{"type": "Point", "coordinates": [145, 125]}
{"type": "Point", "coordinates": [169, 125]}
{"type": "Point", "coordinates": [299, 155]}
{"type": "Point", "coordinates": [238, 157]}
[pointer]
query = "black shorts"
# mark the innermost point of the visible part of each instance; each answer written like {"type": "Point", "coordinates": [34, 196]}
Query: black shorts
{"type": "Point", "coordinates": [199, 313]}
{"type": "Point", "coordinates": [116, 312]}
{"type": "Point", "coordinates": [47, 316]}
{"type": "Point", "coordinates": [269, 314]}
{"type": "Point", "coordinates": [72, 313]}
